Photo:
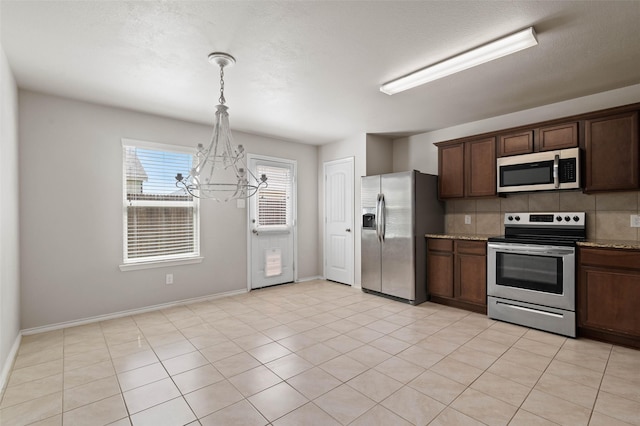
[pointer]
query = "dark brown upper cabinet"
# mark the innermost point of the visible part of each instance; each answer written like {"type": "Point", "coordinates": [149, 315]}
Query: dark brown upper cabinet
{"type": "Point", "coordinates": [557, 137]}
{"type": "Point", "coordinates": [609, 140]}
{"type": "Point", "coordinates": [451, 171]}
{"type": "Point", "coordinates": [516, 143]}
{"type": "Point", "coordinates": [480, 167]}
{"type": "Point", "coordinates": [611, 145]}
{"type": "Point", "coordinates": [467, 169]}
{"type": "Point", "coordinates": [542, 139]}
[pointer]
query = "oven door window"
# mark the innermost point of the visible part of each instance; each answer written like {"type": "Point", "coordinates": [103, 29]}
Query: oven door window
{"type": "Point", "coordinates": [532, 272]}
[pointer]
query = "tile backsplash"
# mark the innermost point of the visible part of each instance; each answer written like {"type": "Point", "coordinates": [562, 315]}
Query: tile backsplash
{"type": "Point", "coordinates": [608, 215]}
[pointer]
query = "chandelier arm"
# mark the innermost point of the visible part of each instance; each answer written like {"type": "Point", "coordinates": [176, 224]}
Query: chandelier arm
{"type": "Point", "coordinates": [186, 188]}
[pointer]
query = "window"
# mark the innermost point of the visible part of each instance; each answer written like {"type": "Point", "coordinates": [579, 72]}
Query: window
{"type": "Point", "coordinates": [161, 221]}
{"type": "Point", "coordinates": [274, 201]}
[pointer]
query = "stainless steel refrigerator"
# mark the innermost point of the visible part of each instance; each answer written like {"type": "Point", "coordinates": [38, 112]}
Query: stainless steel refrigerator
{"type": "Point", "coordinates": [398, 209]}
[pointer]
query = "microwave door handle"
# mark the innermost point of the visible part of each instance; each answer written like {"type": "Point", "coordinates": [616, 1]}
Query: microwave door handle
{"type": "Point", "coordinates": [556, 165]}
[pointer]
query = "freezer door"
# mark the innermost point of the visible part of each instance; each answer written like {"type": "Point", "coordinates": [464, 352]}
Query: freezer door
{"type": "Point", "coordinates": [398, 262]}
{"type": "Point", "coordinates": [370, 243]}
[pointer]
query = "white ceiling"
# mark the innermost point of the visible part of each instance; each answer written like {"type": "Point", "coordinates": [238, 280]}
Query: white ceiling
{"type": "Point", "coordinates": [310, 71]}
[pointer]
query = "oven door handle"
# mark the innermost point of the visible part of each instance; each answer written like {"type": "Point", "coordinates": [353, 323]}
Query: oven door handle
{"type": "Point", "coordinates": [530, 249]}
{"type": "Point", "coordinates": [556, 175]}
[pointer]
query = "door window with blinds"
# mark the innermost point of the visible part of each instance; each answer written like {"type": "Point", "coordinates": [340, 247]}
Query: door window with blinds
{"type": "Point", "coordinates": [161, 221]}
{"type": "Point", "coordinates": [274, 201]}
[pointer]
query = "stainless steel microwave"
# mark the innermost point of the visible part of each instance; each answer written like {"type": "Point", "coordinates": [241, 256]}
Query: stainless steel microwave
{"type": "Point", "coordinates": [539, 171]}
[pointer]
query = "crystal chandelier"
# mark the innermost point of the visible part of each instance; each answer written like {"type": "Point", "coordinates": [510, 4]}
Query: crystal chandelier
{"type": "Point", "coordinates": [220, 171]}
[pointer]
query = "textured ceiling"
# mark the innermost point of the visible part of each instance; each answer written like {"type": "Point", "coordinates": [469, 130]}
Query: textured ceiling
{"type": "Point", "coordinates": [311, 71]}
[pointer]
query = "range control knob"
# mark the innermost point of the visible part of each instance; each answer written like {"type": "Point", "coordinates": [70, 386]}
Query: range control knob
{"type": "Point", "coordinates": [576, 218]}
{"type": "Point", "coordinates": [510, 218]}
{"type": "Point", "coordinates": [517, 218]}
{"type": "Point", "coordinates": [567, 218]}
{"type": "Point", "coordinates": [559, 218]}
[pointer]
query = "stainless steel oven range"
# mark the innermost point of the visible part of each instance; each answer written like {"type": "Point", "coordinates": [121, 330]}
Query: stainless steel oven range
{"type": "Point", "coordinates": [531, 270]}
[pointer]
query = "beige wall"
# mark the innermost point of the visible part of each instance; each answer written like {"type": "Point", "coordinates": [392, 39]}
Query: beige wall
{"type": "Point", "coordinates": [379, 153]}
{"type": "Point", "coordinates": [71, 241]}
{"type": "Point", "coordinates": [608, 215]}
{"type": "Point", "coordinates": [9, 222]}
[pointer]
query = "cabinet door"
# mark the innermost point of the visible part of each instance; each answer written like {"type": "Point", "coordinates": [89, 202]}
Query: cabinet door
{"type": "Point", "coordinates": [612, 153]}
{"type": "Point", "coordinates": [608, 300]}
{"type": "Point", "coordinates": [440, 273]}
{"type": "Point", "coordinates": [471, 272]}
{"type": "Point", "coordinates": [480, 167]}
{"type": "Point", "coordinates": [519, 143]}
{"type": "Point", "coordinates": [451, 171]}
{"type": "Point", "coordinates": [558, 137]}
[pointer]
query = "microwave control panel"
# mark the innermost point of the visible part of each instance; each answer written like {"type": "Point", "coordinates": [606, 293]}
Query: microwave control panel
{"type": "Point", "coordinates": [567, 172]}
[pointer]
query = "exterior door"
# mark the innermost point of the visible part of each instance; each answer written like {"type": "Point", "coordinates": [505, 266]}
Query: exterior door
{"type": "Point", "coordinates": [338, 212]}
{"type": "Point", "coordinates": [272, 218]}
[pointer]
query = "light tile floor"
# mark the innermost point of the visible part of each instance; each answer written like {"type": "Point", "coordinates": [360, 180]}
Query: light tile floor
{"type": "Point", "coordinates": [317, 353]}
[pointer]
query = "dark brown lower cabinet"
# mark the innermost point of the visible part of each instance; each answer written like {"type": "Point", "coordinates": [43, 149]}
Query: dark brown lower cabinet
{"type": "Point", "coordinates": [608, 296]}
{"type": "Point", "coordinates": [457, 273]}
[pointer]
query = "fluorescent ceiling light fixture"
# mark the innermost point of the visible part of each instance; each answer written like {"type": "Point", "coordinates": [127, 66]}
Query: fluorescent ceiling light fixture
{"type": "Point", "coordinates": [488, 52]}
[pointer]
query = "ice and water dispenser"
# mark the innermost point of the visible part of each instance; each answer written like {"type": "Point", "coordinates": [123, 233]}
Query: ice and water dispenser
{"type": "Point", "coordinates": [368, 218]}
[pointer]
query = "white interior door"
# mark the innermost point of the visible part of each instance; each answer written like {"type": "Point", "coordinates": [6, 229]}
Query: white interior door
{"type": "Point", "coordinates": [338, 212]}
{"type": "Point", "coordinates": [272, 218]}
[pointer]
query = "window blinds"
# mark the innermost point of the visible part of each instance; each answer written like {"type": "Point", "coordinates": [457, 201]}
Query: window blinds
{"type": "Point", "coordinates": [161, 221]}
{"type": "Point", "coordinates": [274, 201]}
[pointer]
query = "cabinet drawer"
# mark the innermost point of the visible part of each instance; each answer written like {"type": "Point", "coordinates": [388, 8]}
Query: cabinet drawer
{"type": "Point", "coordinates": [437, 244]}
{"type": "Point", "coordinates": [471, 247]}
{"type": "Point", "coordinates": [610, 258]}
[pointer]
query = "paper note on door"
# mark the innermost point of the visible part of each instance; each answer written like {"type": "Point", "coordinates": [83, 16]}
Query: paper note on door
{"type": "Point", "coordinates": [273, 262]}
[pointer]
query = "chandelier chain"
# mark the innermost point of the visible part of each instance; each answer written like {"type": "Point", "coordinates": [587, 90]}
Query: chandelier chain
{"type": "Point", "coordinates": [222, 100]}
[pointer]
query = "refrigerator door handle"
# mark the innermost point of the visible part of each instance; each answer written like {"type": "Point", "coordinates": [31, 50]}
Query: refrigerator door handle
{"type": "Point", "coordinates": [383, 218]}
{"type": "Point", "coordinates": [378, 218]}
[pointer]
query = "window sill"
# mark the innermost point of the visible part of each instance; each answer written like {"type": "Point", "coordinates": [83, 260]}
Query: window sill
{"type": "Point", "coordinates": [160, 264]}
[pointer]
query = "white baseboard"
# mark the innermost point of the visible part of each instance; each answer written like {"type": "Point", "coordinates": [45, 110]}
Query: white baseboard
{"type": "Point", "coordinates": [121, 314]}
{"type": "Point", "coordinates": [8, 364]}
{"type": "Point", "coordinates": [317, 277]}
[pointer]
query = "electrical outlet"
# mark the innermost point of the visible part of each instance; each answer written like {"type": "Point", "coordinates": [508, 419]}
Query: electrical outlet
{"type": "Point", "coordinates": [635, 221]}
{"type": "Point", "coordinates": [169, 279]}
{"type": "Point", "coordinates": [467, 219]}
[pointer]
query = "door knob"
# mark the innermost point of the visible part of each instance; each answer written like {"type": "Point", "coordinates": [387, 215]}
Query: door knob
{"type": "Point", "coordinates": [348, 229]}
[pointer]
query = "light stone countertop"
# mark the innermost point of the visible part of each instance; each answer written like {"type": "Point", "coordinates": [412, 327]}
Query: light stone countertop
{"type": "Point", "coordinates": [471, 237]}
{"type": "Point", "coordinates": [632, 245]}
{"type": "Point", "coordinates": [617, 244]}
